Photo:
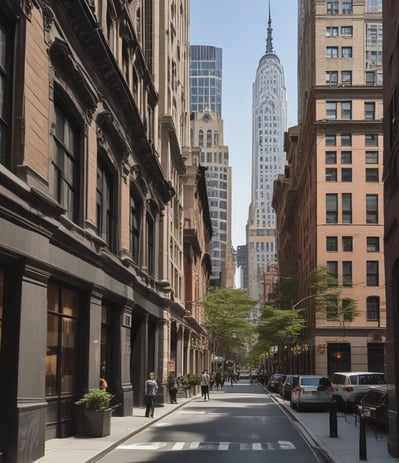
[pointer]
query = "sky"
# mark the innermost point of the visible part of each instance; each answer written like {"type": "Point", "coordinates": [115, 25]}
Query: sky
{"type": "Point", "coordinates": [240, 28]}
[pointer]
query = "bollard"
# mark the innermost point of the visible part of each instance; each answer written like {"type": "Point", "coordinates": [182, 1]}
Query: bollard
{"type": "Point", "coordinates": [362, 440]}
{"type": "Point", "coordinates": [333, 419]}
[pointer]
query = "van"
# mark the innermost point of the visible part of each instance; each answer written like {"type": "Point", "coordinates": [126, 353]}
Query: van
{"type": "Point", "coordinates": [350, 387]}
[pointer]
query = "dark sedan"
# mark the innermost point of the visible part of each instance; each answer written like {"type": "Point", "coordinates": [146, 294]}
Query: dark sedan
{"type": "Point", "coordinates": [274, 381]}
{"type": "Point", "coordinates": [374, 406]}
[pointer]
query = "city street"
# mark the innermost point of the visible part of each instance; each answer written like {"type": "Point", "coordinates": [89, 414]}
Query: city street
{"type": "Point", "coordinates": [237, 424]}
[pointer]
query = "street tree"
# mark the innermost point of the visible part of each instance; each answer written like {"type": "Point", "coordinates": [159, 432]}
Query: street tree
{"type": "Point", "coordinates": [226, 320]}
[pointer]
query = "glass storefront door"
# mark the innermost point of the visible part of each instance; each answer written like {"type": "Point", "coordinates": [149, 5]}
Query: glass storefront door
{"type": "Point", "coordinates": [61, 359]}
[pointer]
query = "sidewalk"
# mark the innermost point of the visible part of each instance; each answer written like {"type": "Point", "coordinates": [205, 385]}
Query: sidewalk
{"type": "Point", "coordinates": [344, 448]}
{"type": "Point", "coordinates": [313, 426]}
{"type": "Point", "coordinates": [91, 449]}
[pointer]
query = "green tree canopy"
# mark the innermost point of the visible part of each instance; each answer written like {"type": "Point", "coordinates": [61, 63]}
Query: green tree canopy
{"type": "Point", "coordinates": [226, 319]}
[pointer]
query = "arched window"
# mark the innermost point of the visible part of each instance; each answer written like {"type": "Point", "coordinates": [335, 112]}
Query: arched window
{"type": "Point", "coordinates": [111, 20]}
{"type": "Point", "coordinates": [135, 224]}
{"type": "Point", "coordinates": [66, 161]}
{"type": "Point", "coordinates": [215, 137]}
{"type": "Point", "coordinates": [209, 138]}
{"type": "Point", "coordinates": [373, 308]}
{"type": "Point", "coordinates": [105, 203]}
{"type": "Point", "coordinates": [201, 138]}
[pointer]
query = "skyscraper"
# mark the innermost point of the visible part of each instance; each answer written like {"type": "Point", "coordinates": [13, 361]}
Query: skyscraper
{"type": "Point", "coordinates": [206, 79]}
{"type": "Point", "coordinates": [269, 122]}
{"type": "Point", "coordinates": [207, 133]}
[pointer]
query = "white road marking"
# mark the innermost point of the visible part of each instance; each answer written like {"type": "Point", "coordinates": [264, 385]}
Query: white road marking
{"type": "Point", "coordinates": [217, 446]}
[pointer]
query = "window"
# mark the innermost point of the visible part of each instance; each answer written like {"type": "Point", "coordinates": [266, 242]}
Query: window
{"type": "Point", "coordinates": [346, 157]}
{"type": "Point", "coordinates": [331, 77]}
{"type": "Point", "coordinates": [347, 31]}
{"type": "Point", "coordinates": [332, 243]}
{"type": "Point", "coordinates": [346, 52]}
{"type": "Point", "coordinates": [135, 224]}
{"type": "Point", "coordinates": [347, 243]}
{"type": "Point", "coordinates": [332, 31]}
{"type": "Point", "coordinates": [346, 77]}
{"type": "Point", "coordinates": [346, 6]}
{"type": "Point", "coordinates": [331, 109]}
{"type": "Point", "coordinates": [332, 52]}
{"type": "Point", "coordinates": [372, 273]}
{"type": "Point", "coordinates": [216, 138]}
{"type": "Point", "coordinates": [346, 139]}
{"type": "Point", "coordinates": [332, 7]}
{"type": "Point", "coordinates": [371, 140]}
{"type": "Point", "coordinates": [331, 208]}
{"type": "Point", "coordinates": [346, 207]}
{"type": "Point", "coordinates": [63, 306]}
{"type": "Point", "coordinates": [370, 78]}
{"type": "Point", "coordinates": [209, 138]}
{"type": "Point", "coordinates": [347, 273]}
{"type": "Point", "coordinates": [346, 110]}
{"type": "Point", "coordinates": [201, 138]}
{"type": "Point", "coordinates": [332, 267]}
{"type": "Point", "coordinates": [105, 204]}
{"type": "Point", "coordinates": [331, 157]}
{"type": "Point", "coordinates": [374, 6]}
{"type": "Point", "coordinates": [373, 244]}
{"type": "Point", "coordinates": [372, 209]}
{"type": "Point", "coordinates": [372, 175]}
{"type": "Point", "coordinates": [371, 157]}
{"type": "Point", "coordinates": [373, 308]}
{"type": "Point", "coordinates": [369, 111]}
{"type": "Point", "coordinates": [332, 308]}
{"type": "Point", "coordinates": [150, 244]}
{"type": "Point", "coordinates": [346, 174]}
{"type": "Point", "coordinates": [331, 140]}
{"type": "Point", "coordinates": [65, 163]}
{"type": "Point", "coordinates": [5, 91]}
{"type": "Point", "coordinates": [347, 309]}
{"type": "Point", "coordinates": [331, 174]}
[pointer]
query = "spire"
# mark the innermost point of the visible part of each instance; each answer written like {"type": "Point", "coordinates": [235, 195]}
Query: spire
{"type": "Point", "coordinates": [269, 41]}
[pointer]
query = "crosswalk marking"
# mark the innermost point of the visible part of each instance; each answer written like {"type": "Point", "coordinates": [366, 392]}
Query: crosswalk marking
{"type": "Point", "coordinates": [217, 446]}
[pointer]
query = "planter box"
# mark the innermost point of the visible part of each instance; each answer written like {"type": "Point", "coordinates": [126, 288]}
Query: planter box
{"type": "Point", "coordinates": [93, 424]}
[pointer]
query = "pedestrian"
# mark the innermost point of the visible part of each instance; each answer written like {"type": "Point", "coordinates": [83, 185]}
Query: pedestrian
{"type": "Point", "coordinates": [103, 384]}
{"type": "Point", "coordinates": [173, 387]}
{"type": "Point", "coordinates": [150, 389]}
{"type": "Point", "coordinates": [205, 379]}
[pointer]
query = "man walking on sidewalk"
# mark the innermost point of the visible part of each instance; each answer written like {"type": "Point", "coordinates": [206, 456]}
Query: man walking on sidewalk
{"type": "Point", "coordinates": [205, 378]}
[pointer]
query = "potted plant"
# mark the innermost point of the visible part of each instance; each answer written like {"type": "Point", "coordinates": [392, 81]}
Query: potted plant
{"type": "Point", "coordinates": [94, 414]}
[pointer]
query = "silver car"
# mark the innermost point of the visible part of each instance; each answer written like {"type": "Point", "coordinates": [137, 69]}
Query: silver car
{"type": "Point", "coordinates": [312, 391]}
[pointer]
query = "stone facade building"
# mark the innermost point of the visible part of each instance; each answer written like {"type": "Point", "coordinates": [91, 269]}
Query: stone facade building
{"type": "Point", "coordinates": [329, 201]}
{"type": "Point", "coordinates": [391, 201]}
{"type": "Point", "coordinates": [97, 270]}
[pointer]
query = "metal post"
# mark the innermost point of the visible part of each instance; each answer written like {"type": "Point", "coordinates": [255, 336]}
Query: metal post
{"type": "Point", "coordinates": [362, 440]}
{"type": "Point", "coordinates": [333, 419]}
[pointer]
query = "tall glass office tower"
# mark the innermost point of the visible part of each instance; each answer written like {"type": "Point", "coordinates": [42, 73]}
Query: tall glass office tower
{"type": "Point", "coordinates": [206, 79]}
{"type": "Point", "coordinates": [207, 133]}
{"type": "Point", "coordinates": [269, 123]}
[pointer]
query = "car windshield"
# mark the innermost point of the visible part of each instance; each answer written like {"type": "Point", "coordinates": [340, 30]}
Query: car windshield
{"type": "Point", "coordinates": [313, 381]}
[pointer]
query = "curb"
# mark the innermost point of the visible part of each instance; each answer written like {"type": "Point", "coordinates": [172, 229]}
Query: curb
{"type": "Point", "coordinates": [116, 443]}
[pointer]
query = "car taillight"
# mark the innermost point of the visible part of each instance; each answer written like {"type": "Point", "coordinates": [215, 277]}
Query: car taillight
{"type": "Point", "coordinates": [348, 388]}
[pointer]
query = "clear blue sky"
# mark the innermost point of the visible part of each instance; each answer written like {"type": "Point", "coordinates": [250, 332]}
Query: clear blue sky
{"type": "Point", "coordinates": [240, 28]}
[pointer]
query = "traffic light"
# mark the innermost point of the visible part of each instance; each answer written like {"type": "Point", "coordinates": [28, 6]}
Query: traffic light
{"type": "Point", "coordinates": [338, 355]}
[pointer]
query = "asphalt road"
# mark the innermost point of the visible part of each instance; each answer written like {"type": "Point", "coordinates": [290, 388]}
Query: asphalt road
{"type": "Point", "coordinates": [239, 424]}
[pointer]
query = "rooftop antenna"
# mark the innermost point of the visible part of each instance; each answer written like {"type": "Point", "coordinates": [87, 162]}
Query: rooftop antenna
{"type": "Point", "coordinates": [269, 41]}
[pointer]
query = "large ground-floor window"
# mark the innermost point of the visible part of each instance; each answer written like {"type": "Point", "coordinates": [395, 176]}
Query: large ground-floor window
{"type": "Point", "coordinates": [61, 357]}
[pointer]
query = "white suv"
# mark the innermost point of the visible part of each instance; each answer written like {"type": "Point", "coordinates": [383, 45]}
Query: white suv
{"type": "Point", "coordinates": [350, 387]}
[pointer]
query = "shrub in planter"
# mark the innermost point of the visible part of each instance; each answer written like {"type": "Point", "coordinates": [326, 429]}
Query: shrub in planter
{"type": "Point", "coordinates": [93, 414]}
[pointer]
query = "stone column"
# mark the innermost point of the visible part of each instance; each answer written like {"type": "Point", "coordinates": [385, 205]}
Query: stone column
{"type": "Point", "coordinates": [91, 381]}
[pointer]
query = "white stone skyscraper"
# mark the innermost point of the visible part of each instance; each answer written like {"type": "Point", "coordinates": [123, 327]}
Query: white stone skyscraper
{"type": "Point", "coordinates": [269, 123]}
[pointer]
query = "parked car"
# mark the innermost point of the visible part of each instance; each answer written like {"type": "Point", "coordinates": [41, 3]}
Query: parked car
{"type": "Point", "coordinates": [286, 387]}
{"type": "Point", "coordinates": [350, 387]}
{"type": "Point", "coordinates": [244, 374]}
{"type": "Point", "coordinates": [312, 391]}
{"type": "Point", "coordinates": [374, 406]}
{"type": "Point", "coordinates": [272, 384]}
